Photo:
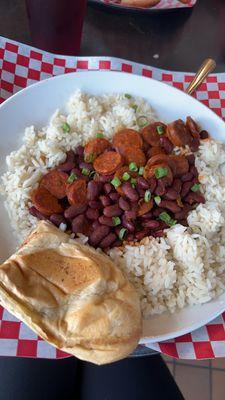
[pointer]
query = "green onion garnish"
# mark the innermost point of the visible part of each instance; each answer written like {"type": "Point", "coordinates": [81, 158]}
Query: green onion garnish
{"type": "Point", "coordinates": [133, 182]}
{"type": "Point", "coordinates": [72, 178]}
{"type": "Point", "coordinates": [122, 233]}
{"type": "Point", "coordinates": [142, 121]}
{"type": "Point", "coordinates": [89, 158]}
{"type": "Point", "coordinates": [157, 200]}
{"type": "Point", "coordinates": [92, 174]}
{"type": "Point", "coordinates": [85, 171]}
{"type": "Point", "coordinates": [133, 167]}
{"type": "Point", "coordinates": [116, 182]}
{"type": "Point", "coordinates": [116, 221]}
{"type": "Point", "coordinates": [167, 219]}
{"type": "Point", "coordinates": [135, 107]}
{"type": "Point", "coordinates": [141, 171]}
{"type": "Point", "coordinates": [161, 172]}
{"type": "Point", "coordinates": [65, 127]}
{"type": "Point", "coordinates": [99, 135]}
{"type": "Point", "coordinates": [147, 196]}
{"type": "Point", "coordinates": [128, 96]}
{"type": "Point", "coordinates": [126, 176]}
{"type": "Point", "coordinates": [195, 187]}
{"type": "Point", "coordinates": [160, 129]}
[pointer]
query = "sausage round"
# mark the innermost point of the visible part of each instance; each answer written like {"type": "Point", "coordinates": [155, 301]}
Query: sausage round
{"type": "Point", "coordinates": [162, 159]}
{"type": "Point", "coordinates": [181, 165]}
{"type": "Point", "coordinates": [55, 182]}
{"type": "Point", "coordinates": [155, 150]}
{"type": "Point", "coordinates": [178, 133]}
{"type": "Point", "coordinates": [95, 147]}
{"type": "Point", "coordinates": [127, 137]}
{"type": "Point", "coordinates": [45, 202]}
{"type": "Point", "coordinates": [77, 192]}
{"type": "Point", "coordinates": [193, 127]}
{"type": "Point", "coordinates": [151, 135]}
{"type": "Point", "coordinates": [133, 154]}
{"type": "Point", "coordinates": [108, 162]}
{"type": "Point", "coordinates": [144, 207]}
{"type": "Point", "coordinates": [149, 172]}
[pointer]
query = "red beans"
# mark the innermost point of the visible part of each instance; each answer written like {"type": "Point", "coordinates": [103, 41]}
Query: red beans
{"type": "Point", "coordinates": [152, 184]}
{"type": "Point", "coordinates": [69, 163]}
{"type": "Point", "coordinates": [105, 200]}
{"type": "Point", "coordinates": [195, 197]}
{"type": "Point", "coordinates": [128, 224]}
{"type": "Point", "coordinates": [78, 224]}
{"type": "Point", "coordinates": [130, 237]}
{"type": "Point", "coordinates": [171, 194]}
{"type": "Point", "coordinates": [57, 219]}
{"type": "Point", "coordinates": [180, 215]}
{"type": "Point", "coordinates": [92, 213]}
{"type": "Point", "coordinates": [79, 150]}
{"type": "Point", "coordinates": [141, 234]}
{"type": "Point", "coordinates": [74, 210]}
{"type": "Point", "coordinates": [87, 166]}
{"type": "Point", "coordinates": [187, 177]}
{"type": "Point", "coordinates": [191, 159]}
{"type": "Point", "coordinates": [170, 205]}
{"type": "Point", "coordinates": [114, 196]}
{"type": "Point", "coordinates": [166, 144]}
{"type": "Point", "coordinates": [142, 183]}
{"type": "Point", "coordinates": [95, 204]}
{"type": "Point", "coordinates": [130, 192]}
{"type": "Point", "coordinates": [204, 135]}
{"type": "Point", "coordinates": [108, 240]}
{"type": "Point", "coordinates": [152, 224]}
{"type": "Point", "coordinates": [194, 144]}
{"type": "Point", "coordinates": [147, 215]}
{"type": "Point", "coordinates": [33, 211]}
{"type": "Point", "coordinates": [106, 220]}
{"type": "Point", "coordinates": [177, 184]}
{"type": "Point", "coordinates": [185, 188]}
{"type": "Point", "coordinates": [105, 178]}
{"type": "Point", "coordinates": [131, 214]}
{"type": "Point", "coordinates": [93, 190]}
{"type": "Point", "coordinates": [98, 234]}
{"type": "Point", "coordinates": [124, 205]}
{"type": "Point", "coordinates": [107, 188]}
{"type": "Point", "coordinates": [160, 189]}
{"type": "Point", "coordinates": [194, 171]}
{"type": "Point", "coordinates": [112, 211]}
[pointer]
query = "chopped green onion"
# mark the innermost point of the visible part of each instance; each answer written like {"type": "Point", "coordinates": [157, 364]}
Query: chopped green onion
{"type": "Point", "coordinates": [92, 174]}
{"type": "Point", "coordinates": [161, 172]}
{"type": "Point", "coordinates": [195, 187]}
{"type": "Point", "coordinates": [65, 127]}
{"type": "Point", "coordinates": [135, 107]}
{"type": "Point", "coordinates": [141, 171]}
{"type": "Point", "coordinates": [126, 176]}
{"type": "Point", "coordinates": [147, 196]}
{"type": "Point", "coordinates": [142, 121]}
{"type": "Point", "coordinates": [133, 182]}
{"type": "Point", "coordinates": [133, 167]}
{"type": "Point", "coordinates": [160, 130]}
{"type": "Point", "coordinates": [122, 233]}
{"type": "Point", "coordinates": [100, 135]}
{"type": "Point", "coordinates": [128, 96]}
{"type": "Point", "coordinates": [85, 171]}
{"type": "Point", "coordinates": [89, 158]}
{"type": "Point", "coordinates": [72, 178]}
{"type": "Point", "coordinates": [157, 200]}
{"type": "Point", "coordinates": [167, 219]}
{"type": "Point", "coordinates": [116, 182]}
{"type": "Point", "coordinates": [116, 221]}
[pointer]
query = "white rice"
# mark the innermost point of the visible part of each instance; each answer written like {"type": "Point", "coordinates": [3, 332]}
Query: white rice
{"type": "Point", "coordinates": [187, 266]}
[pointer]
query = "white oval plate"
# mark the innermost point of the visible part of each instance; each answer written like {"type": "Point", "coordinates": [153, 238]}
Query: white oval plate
{"type": "Point", "coordinates": [34, 106]}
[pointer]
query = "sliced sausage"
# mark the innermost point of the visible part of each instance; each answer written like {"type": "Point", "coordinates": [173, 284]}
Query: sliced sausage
{"type": "Point", "coordinates": [133, 154]}
{"type": "Point", "coordinates": [151, 135]}
{"type": "Point", "coordinates": [55, 182]}
{"type": "Point", "coordinates": [77, 192]}
{"type": "Point", "coordinates": [95, 147]}
{"type": "Point", "coordinates": [45, 202]}
{"type": "Point", "coordinates": [153, 151]}
{"type": "Point", "coordinates": [144, 207]}
{"type": "Point", "coordinates": [150, 172]}
{"type": "Point", "coordinates": [193, 128]}
{"type": "Point", "coordinates": [162, 159]}
{"type": "Point", "coordinates": [127, 137]}
{"type": "Point", "coordinates": [108, 162]}
{"type": "Point", "coordinates": [181, 165]}
{"type": "Point", "coordinates": [178, 133]}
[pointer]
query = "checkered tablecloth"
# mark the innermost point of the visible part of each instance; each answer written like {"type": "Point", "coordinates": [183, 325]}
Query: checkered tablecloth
{"type": "Point", "coordinates": [21, 66]}
{"type": "Point", "coordinates": [163, 5]}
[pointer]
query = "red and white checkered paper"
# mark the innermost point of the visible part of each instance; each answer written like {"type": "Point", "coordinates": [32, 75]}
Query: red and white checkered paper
{"type": "Point", "coordinates": [22, 65]}
{"type": "Point", "coordinates": [163, 5]}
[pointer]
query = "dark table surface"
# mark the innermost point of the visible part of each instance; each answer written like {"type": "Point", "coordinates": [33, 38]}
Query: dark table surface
{"type": "Point", "coordinates": [181, 38]}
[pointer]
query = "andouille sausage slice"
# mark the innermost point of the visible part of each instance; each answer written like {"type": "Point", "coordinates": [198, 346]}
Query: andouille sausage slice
{"type": "Point", "coordinates": [155, 150]}
{"type": "Point", "coordinates": [127, 137]}
{"type": "Point", "coordinates": [45, 202]}
{"type": "Point", "coordinates": [193, 128]}
{"type": "Point", "coordinates": [133, 154]}
{"type": "Point", "coordinates": [181, 164]}
{"type": "Point", "coordinates": [152, 133]}
{"type": "Point", "coordinates": [162, 159]}
{"type": "Point", "coordinates": [151, 171]}
{"type": "Point", "coordinates": [178, 133]}
{"type": "Point", "coordinates": [108, 162]}
{"type": "Point", "coordinates": [144, 207]}
{"type": "Point", "coordinates": [77, 192]}
{"type": "Point", "coordinates": [55, 182]}
{"type": "Point", "coordinates": [95, 147]}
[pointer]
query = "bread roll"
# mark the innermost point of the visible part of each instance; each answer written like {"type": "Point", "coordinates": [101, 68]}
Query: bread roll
{"type": "Point", "coordinates": [140, 3]}
{"type": "Point", "coordinates": [72, 296]}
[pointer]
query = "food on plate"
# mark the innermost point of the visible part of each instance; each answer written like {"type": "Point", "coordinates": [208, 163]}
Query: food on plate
{"type": "Point", "coordinates": [72, 296]}
{"type": "Point", "coordinates": [162, 222]}
{"type": "Point", "coordinates": [140, 3]}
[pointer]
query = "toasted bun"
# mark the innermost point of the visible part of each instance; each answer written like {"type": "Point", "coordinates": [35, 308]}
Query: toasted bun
{"type": "Point", "coordinates": [140, 3]}
{"type": "Point", "coordinates": [72, 296]}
